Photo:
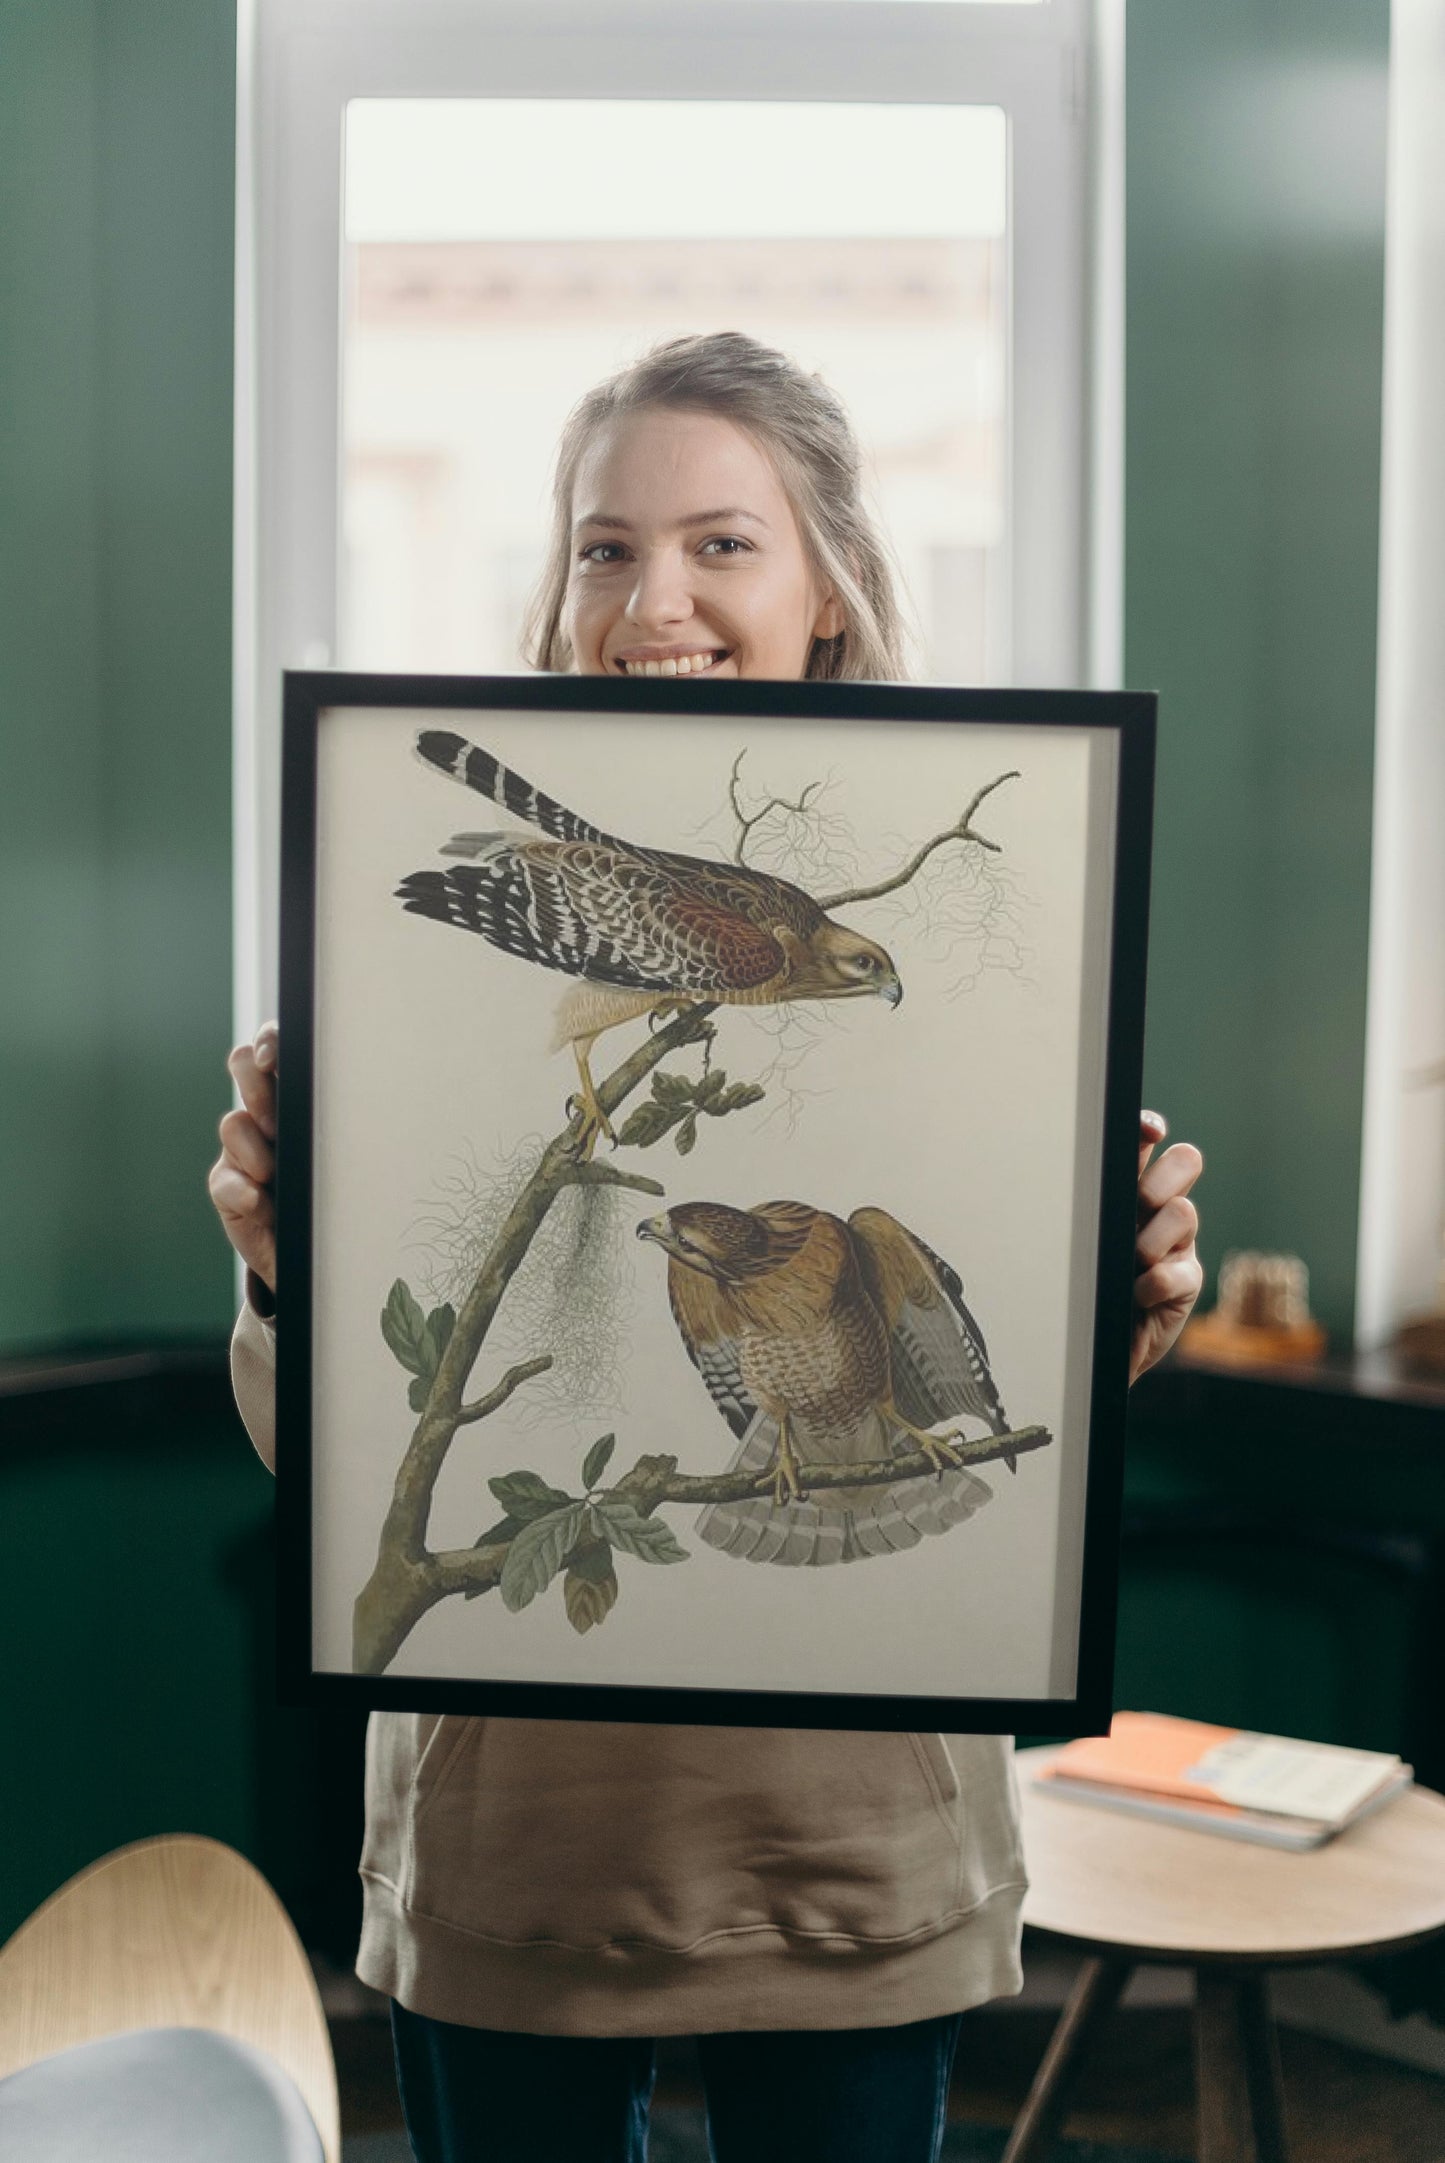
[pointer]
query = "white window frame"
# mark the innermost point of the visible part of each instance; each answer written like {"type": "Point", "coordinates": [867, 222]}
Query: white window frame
{"type": "Point", "coordinates": [1402, 1169]}
{"type": "Point", "coordinates": [1056, 69]}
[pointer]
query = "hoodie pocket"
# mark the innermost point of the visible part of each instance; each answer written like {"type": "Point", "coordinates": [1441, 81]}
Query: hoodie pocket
{"type": "Point", "coordinates": [940, 1776]}
{"type": "Point", "coordinates": [589, 1835]}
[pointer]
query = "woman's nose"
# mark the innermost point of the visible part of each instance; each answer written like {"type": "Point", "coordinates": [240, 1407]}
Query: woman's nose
{"type": "Point", "coordinates": [661, 594]}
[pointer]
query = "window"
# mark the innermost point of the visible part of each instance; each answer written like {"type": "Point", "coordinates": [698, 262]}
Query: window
{"type": "Point", "coordinates": [505, 254]}
{"type": "Point", "coordinates": [449, 211]}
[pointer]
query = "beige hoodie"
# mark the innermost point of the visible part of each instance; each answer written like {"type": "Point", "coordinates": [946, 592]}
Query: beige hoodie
{"type": "Point", "coordinates": [563, 1877]}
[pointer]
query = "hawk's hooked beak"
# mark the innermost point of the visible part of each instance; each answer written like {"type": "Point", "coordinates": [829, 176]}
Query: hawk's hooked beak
{"type": "Point", "coordinates": [891, 989]}
{"type": "Point", "coordinates": [657, 1228]}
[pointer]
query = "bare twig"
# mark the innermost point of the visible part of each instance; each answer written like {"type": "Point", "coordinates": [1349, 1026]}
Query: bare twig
{"type": "Point", "coordinates": [748, 820]}
{"type": "Point", "coordinates": [961, 830]}
{"type": "Point", "coordinates": [483, 1407]}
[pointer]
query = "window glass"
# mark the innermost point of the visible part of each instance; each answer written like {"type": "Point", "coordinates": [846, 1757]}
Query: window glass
{"type": "Point", "coordinates": [504, 255]}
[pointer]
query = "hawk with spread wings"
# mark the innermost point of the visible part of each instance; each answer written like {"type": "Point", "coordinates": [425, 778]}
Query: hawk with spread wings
{"type": "Point", "coordinates": [643, 928]}
{"type": "Point", "coordinates": [831, 1343]}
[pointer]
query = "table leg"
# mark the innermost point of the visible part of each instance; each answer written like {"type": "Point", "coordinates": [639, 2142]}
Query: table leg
{"type": "Point", "coordinates": [1261, 2045]}
{"type": "Point", "coordinates": [1241, 2117]}
{"type": "Point", "coordinates": [1094, 1995]}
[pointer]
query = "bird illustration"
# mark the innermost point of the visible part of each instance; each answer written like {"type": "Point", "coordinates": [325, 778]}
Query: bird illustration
{"type": "Point", "coordinates": [645, 929]}
{"type": "Point", "coordinates": [827, 1342]}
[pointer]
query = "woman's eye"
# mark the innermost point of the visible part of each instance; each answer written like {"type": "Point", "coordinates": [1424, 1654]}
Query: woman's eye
{"type": "Point", "coordinates": [602, 552]}
{"type": "Point", "coordinates": [725, 544]}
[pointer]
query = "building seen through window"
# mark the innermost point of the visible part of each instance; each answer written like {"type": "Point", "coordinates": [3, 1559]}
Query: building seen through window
{"type": "Point", "coordinates": [500, 262]}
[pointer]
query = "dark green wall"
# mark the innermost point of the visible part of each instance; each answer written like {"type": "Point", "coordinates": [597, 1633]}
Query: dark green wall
{"type": "Point", "coordinates": [1255, 265]}
{"type": "Point", "coordinates": [116, 154]}
{"type": "Point", "coordinates": [1255, 257]}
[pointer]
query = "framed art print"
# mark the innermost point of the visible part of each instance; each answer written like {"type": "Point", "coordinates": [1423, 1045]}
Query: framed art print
{"type": "Point", "coordinates": [708, 1142]}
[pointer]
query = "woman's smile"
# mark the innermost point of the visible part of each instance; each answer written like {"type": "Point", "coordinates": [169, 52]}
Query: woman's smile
{"type": "Point", "coordinates": [672, 660]}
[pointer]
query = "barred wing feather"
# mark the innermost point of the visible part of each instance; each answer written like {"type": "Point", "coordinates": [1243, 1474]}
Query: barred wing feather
{"type": "Point", "coordinates": [938, 1355]}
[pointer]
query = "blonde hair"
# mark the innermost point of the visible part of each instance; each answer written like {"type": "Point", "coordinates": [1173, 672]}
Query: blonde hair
{"type": "Point", "coordinates": [806, 431]}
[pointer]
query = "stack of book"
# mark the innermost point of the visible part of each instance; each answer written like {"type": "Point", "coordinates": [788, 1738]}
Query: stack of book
{"type": "Point", "coordinates": [1268, 1788]}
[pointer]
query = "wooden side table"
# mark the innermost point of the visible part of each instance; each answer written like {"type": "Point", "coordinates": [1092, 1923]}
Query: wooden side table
{"type": "Point", "coordinates": [1125, 1890]}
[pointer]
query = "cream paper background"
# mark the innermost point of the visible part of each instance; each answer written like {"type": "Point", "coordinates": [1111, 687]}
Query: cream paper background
{"type": "Point", "coordinates": [974, 1119]}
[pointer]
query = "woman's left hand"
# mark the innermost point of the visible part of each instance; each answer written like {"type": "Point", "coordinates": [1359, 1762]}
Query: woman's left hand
{"type": "Point", "coordinates": [1168, 1275]}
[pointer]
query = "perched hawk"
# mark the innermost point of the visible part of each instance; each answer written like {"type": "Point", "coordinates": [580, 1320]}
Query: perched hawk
{"type": "Point", "coordinates": [824, 1342]}
{"type": "Point", "coordinates": [642, 927]}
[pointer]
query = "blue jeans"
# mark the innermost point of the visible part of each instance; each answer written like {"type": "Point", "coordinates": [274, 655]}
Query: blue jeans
{"type": "Point", "coordinates": [840, 2095]}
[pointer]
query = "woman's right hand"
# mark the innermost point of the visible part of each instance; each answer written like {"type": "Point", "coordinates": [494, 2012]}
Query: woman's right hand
{"type": "Point", "coordinates": [241, 1180]}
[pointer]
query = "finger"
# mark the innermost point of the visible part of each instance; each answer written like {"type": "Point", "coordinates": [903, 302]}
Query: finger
{"type": "Point", "coordinates": [247, 1147]}
{"type": "Point", "coordinates": [267, 1046]}
{"type": "Point", "coordinates": [1170, 1230]}
{"type": "Point", "coordinates": [248, 1218]}
{"type": "Point", "coordinates": [1173, 1173]}
{"type": "Point", "coordinates": [1153, 1126]}
{"type": "Point", "coordinates": [235, 1195]}
{"type": "Point", "coordinates": [257, 1087]}
{"type": "Point", "coordinates": [1175, 1282]}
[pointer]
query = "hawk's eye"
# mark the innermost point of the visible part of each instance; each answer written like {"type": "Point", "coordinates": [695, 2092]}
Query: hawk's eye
{"type": "Point", "coordinates": [865, 964]}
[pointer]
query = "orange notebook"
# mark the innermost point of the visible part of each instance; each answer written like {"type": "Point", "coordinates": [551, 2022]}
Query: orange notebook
{"type": "Point", "coordinates": [1155, 1754]}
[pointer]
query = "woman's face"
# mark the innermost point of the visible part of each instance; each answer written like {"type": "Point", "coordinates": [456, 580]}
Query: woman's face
{"type": "Point", "coordinates": [686, 556]}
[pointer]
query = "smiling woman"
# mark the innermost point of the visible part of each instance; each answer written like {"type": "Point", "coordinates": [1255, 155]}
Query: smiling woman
{"type": "Point", "coordinates": [543, 1897]}
{"type": "Point", "coordinates": [646, 576]}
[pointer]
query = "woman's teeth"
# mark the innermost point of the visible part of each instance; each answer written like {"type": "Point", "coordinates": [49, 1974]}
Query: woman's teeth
{"type": "Point", "coordinates": [686, 664]}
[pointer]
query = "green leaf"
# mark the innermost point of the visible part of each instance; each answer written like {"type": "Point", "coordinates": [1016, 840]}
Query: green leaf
{"type": "Point", "coordinates": [672, 1089]}
{"type": "Point", "coordinates": [535, 1555]}
{"type": "Point", "coordinates": [590, 1600]}
{"type": "Point", "coordinates": [646, 1537]}
{"type": "Point", "coordinates": [591, 1558]}
{"type": "Point", "coordinates": [644, 1126]}
{"type": "Point", "coordinates": [686, 1134]}
{"type": "Point", "coordinates": [526, 1495]}
{"type": "Point", "coordinates": [403, 1325]}
{"type": "Point", "coordinates": [418, 1392]}
{"type": "Point", "coordinates": [595, 1463]}
{"type": "Point", "coordinates": [497, 1535]}
{"type": "Point", "coordinates": [439, 1326]}
{"type": "Point", "coordinates": [711, 1087]}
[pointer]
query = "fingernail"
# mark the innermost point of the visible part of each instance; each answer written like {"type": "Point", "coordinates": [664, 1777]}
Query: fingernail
{"type": "Point", "coordinates": [1155, 1119]}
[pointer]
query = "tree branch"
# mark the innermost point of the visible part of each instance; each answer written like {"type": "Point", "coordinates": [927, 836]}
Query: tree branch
{"type": "Point", "coordinates": [745, 821]}
{"type": "Point", "coordinates": [483, 1407]}
{"type": "Point", "coordinates": [654, 1482]}
{"type": "Point", "coordinates": [387, 1608]}
{"type": "Point", "coordinates": [961, 830]}
{"type": "Point", "coordinates": [607, 1175]}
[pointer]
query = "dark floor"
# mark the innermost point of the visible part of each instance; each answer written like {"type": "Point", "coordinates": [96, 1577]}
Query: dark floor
{"type": "Point", "coordinates": [1343, 2105]}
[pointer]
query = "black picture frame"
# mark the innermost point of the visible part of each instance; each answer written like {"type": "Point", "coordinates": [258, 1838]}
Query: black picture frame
{"type": "Point", "coordinates": [1131, 718]}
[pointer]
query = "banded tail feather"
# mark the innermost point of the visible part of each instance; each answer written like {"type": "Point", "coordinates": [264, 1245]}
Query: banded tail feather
{"type": "Point", "coordinates": [839, 1524]}
{"type": "Point", "coordinates": [466, 762]}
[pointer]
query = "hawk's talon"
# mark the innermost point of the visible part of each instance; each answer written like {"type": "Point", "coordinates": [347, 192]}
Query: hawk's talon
{"type": "Point", "coordinates": [594, 1123]}
{"type": "Point", "coordinates": [787, 1487]}
{"type": "Point", "coordinates": [942, 1452]}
